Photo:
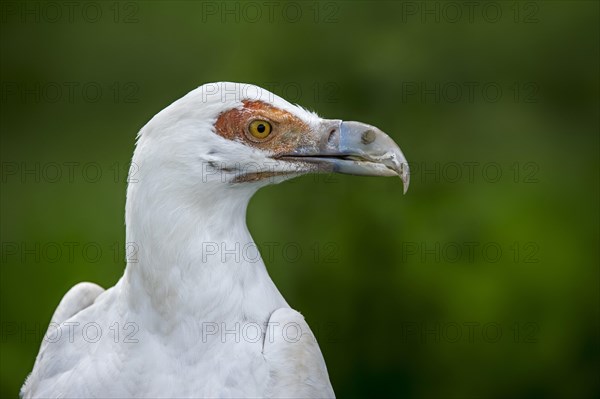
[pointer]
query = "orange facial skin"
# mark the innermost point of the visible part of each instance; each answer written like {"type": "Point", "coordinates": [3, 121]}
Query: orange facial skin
{"type": "Point", "coordinates": [288, 131]}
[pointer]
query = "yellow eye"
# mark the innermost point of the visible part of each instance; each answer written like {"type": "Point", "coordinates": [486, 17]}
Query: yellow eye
{"type": "Point", "coordinates": [260, 129]}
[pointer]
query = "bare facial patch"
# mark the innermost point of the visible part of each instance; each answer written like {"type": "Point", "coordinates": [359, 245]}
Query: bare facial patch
{"type": "Point", "coordinates": [288, 131]}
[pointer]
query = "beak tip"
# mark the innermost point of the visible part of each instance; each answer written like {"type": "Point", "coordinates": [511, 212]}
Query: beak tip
{"type": "Point", "coordinates": [404, 176]}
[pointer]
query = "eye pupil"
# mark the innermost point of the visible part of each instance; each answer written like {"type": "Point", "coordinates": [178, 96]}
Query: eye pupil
{"type": "Point", "coordinates": [261, 128]}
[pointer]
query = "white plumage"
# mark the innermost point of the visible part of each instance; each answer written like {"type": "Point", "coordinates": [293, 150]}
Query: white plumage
{"type": "Point", "coordinates": [189, 317]}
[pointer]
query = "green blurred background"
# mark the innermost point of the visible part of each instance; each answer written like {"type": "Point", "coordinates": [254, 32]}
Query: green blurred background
{"type": "Point", "coordinates": [482, 281]}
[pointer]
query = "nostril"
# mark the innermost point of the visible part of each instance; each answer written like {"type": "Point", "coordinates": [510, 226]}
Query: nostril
{"type": "Point", "coordinates": [368, 137]}
{"type": "Point", "coordinates": [331, 136]}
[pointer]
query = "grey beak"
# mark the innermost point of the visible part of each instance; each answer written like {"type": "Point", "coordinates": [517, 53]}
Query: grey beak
{"type": "Point", "coordinates": [353, 148]}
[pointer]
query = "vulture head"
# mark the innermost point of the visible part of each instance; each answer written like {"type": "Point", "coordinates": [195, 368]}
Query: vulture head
{"type": "Point", "coordinates": [238, 136]}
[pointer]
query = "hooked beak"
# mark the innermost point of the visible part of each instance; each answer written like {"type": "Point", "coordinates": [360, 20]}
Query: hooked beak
{"type": "Point", "coordinates": [353, 148]}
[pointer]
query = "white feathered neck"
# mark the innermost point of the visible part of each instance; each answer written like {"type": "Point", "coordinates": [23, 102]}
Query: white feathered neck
{"type": "Point", "coordinates": [171, 222]}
